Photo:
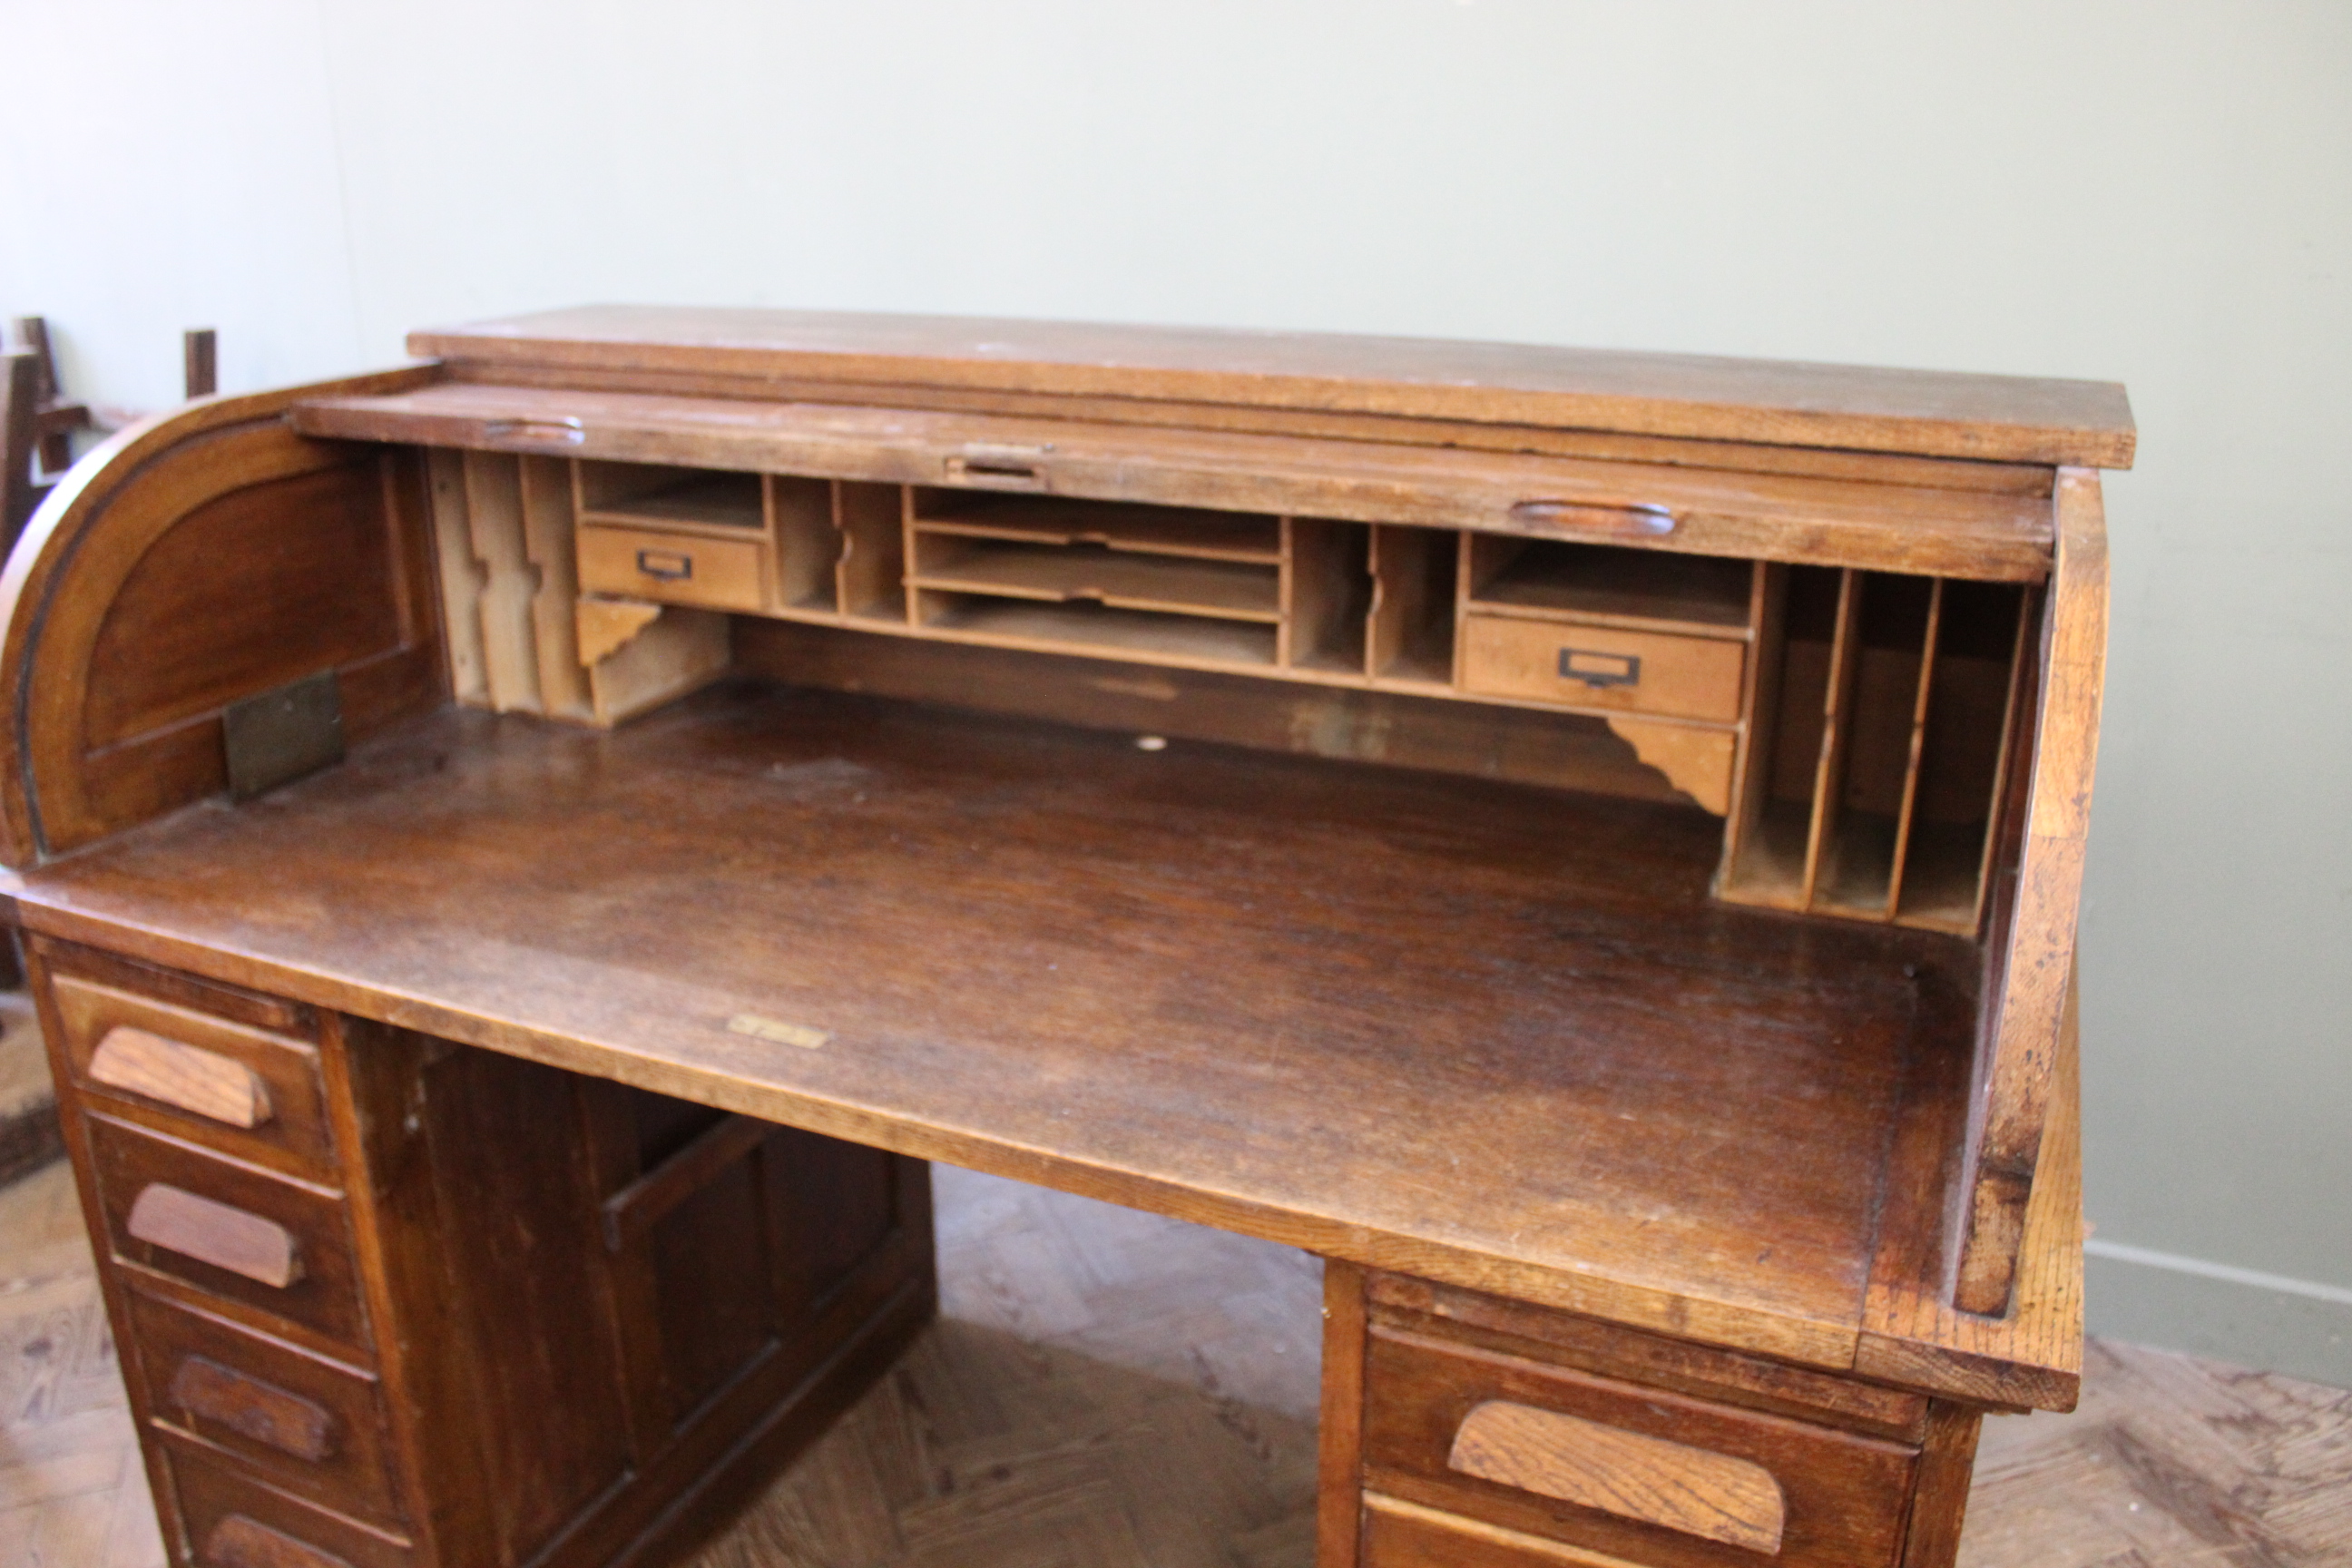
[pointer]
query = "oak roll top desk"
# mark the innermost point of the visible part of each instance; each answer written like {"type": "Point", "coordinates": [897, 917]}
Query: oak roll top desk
{"type": "Point", "coordinates": [1588, 843]}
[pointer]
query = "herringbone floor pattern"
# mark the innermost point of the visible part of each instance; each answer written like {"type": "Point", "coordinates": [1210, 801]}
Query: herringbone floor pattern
{"type": "Point", "coordinates": [1107, 1389]}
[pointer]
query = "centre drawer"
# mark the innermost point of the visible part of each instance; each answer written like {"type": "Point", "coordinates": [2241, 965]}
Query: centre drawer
{"type": "Point", "coordinates": [232, 1231]}
{"type": "Point", "coordinates": [1639, 1474]}
{"type": "Point", "coordinates": [1672, 676]}
{"type": "Point", "coordinates": [674, 568]}
{"type": "Point", "coordinates": [314, 1426]}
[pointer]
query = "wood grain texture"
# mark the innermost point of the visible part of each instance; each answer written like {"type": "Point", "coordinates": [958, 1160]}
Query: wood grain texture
{"type": "Point", "coordinates": [1339, 1468]}
{"type": "Point", "coordinates": [1399, 1534]}
{"type": "Point", "coordinates": [244, 1403]}
{"type": "Point", "coordinates": [313, 1425]}
{"type": "Point", "coordinates": [762, 795]}
{"type": "Point", "coordinates": [221, 1234]}
{"type": "Point", "coordinates": [1603, 667]}
{"type": "Point", "coordinates": [1940, 1500]}
{"type": "Point", "coordinates": [238, 1542]}
{"type": "Point", "coordinates": [1743, 456]}
{"type": "Point", "coordinates": [1912, 1330]}
{"type": "Point", "coordinates": [1146, 1389]}
{"type": "Point", "coordinates": [233, 1521]}
{"type": "Point", "coordinates": [1996, 417]}
{"type": "Point", "coordinates": [1845, 1496]}
{"type": "Point", "coordinates": [2016, 1088]}
{"type": "Point", "coordinates": [1483, 740]}
{"type": "Point", "coordinates": [1969, 534]}
{"type": "Point", "coordinates": [1438, 1312]}
{"type": "Point", "coordinates": [277, 1248]}
{"type": "Point", "coordinates": [277, 1065]}
{"type": "Point", "coordinates": [638, 563]}
{"type": "Point", "coordinates": [1698, 762]}
{"type": "Point", "coordinates": [197, 1081]}
{"type": "Point", "coordinates": [603, 626]}
{"type": "Point", "coordinates": [1625, 1473]}
{"type": "Point", "coordinates": [30, 1136]}
{"type": "Point", "coordinates": [72, 1488]}
{"type": "Point", "coordinates": [104, 519]}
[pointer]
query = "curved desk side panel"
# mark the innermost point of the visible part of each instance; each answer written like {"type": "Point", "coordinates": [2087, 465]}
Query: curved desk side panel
{"type": "Point", "coordinates": [198, 558]}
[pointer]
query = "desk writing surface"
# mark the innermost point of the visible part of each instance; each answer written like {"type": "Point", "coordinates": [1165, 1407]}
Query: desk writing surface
{"type": "Point", "coordinates": [1491, 1034]}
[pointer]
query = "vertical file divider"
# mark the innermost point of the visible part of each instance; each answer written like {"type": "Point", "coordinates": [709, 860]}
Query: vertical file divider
{"type": "Point", "coordinates": [2013, 721]}
{"type": "Point", "coordinates": [1919, 748]}
{"type": "Point", "coordinates": [1759, 729]}
{"type": "Point", "coordinates": [1835, 723]}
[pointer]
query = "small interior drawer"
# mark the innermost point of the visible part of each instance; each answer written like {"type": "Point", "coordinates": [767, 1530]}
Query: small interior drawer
{"type": "Point", "coordinates": [314, 1426]}
{"type": "Point", "coordinates": [229, 1231]}
{"type": "Point", "coordinates": [674, 568]}
{"type": "Point", "coordinates": [1604, 667]}
{"type": "Point", "coordinates": [1609, 1466]}
{"type": "Point", "coordinates": [253, 1093]}
{"type": "Point", "coordinates": [236, 1523]}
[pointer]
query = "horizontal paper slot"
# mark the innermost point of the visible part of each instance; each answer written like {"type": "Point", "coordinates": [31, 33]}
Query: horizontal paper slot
{"type": "Point", "coordinates": [1609, 585]}
{"type": "Point", "coordinates": [1082, 626]}
{"type": "Point", "coordinates": [1144, 529]}
{"type": "Point", "coordinates": [1119, 578]}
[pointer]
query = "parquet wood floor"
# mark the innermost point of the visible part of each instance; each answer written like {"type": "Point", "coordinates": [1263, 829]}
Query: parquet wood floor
{"type": "Point", "coordinates": [1107, 1389]}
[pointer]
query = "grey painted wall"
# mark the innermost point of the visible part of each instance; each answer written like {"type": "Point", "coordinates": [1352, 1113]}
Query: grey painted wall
{"type": "Point", "coordinates": [2157, 193]}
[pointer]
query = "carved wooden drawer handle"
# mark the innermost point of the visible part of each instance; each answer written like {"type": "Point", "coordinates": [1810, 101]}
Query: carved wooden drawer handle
{"type": "Point", "coordinates": [261, 1411]}
{"type": "Point", "coordinates": [202, 1082]}
{"type": "Point", "coordinates": [1712, 1495]}
{"type": "Point", "coordinates": [237, 1541]}
{"type": "Point", "coordinates": [261, 1250]}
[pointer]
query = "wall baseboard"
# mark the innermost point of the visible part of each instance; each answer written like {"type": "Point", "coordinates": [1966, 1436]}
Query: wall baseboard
{"type": "Point", "coordinates": [2299, 1327]}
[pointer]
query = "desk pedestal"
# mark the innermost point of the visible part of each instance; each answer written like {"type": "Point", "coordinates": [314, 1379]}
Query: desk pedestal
{"type": "Point", "coordinates": [380, 1299]}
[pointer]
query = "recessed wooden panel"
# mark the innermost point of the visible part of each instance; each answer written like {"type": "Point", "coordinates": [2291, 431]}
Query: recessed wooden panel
{"type": "Point", "coordinates": [1842, 1497]}
{"type": "Point", "coordinates": [837, 1205]}
{"type": "Point", "coordinates": [323, 1296]}
{"type": "Point", "coordinates": [315, 1426]}
{"type": "Point", "coordinates": [525, 1251]}
{"type": "Point", "coordinates": [715, 1285]}
{"type": "Point", "coordinates": [266, 583]}
{"type": "Point", "coordinates": [285, 1071]}
{"type": "Point", "coordinates": [235, 1522]}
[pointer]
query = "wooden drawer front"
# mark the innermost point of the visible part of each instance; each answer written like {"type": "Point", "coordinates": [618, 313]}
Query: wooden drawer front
{"type": "Point", "coordinates": [675, 568]}
{"type": "Point", "coordinates": [234, 1522]}
{"type": "Point", "coordinates": [1600, 666]}
{"type": "Point", "coordinates": [231, 1231]}
{"type": "Point", "coordinates": [1397, 1534]}
{"type": "Point", "coordinates": [1610, 1467]}
{"type": "Point", "coordinates": [315, 1426]}
{"type": "Point", "coordinates": [254, 1094]}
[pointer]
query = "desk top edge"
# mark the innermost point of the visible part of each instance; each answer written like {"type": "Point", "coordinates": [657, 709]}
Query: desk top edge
{"type": "Point", "coordinates": [1995, 419]}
